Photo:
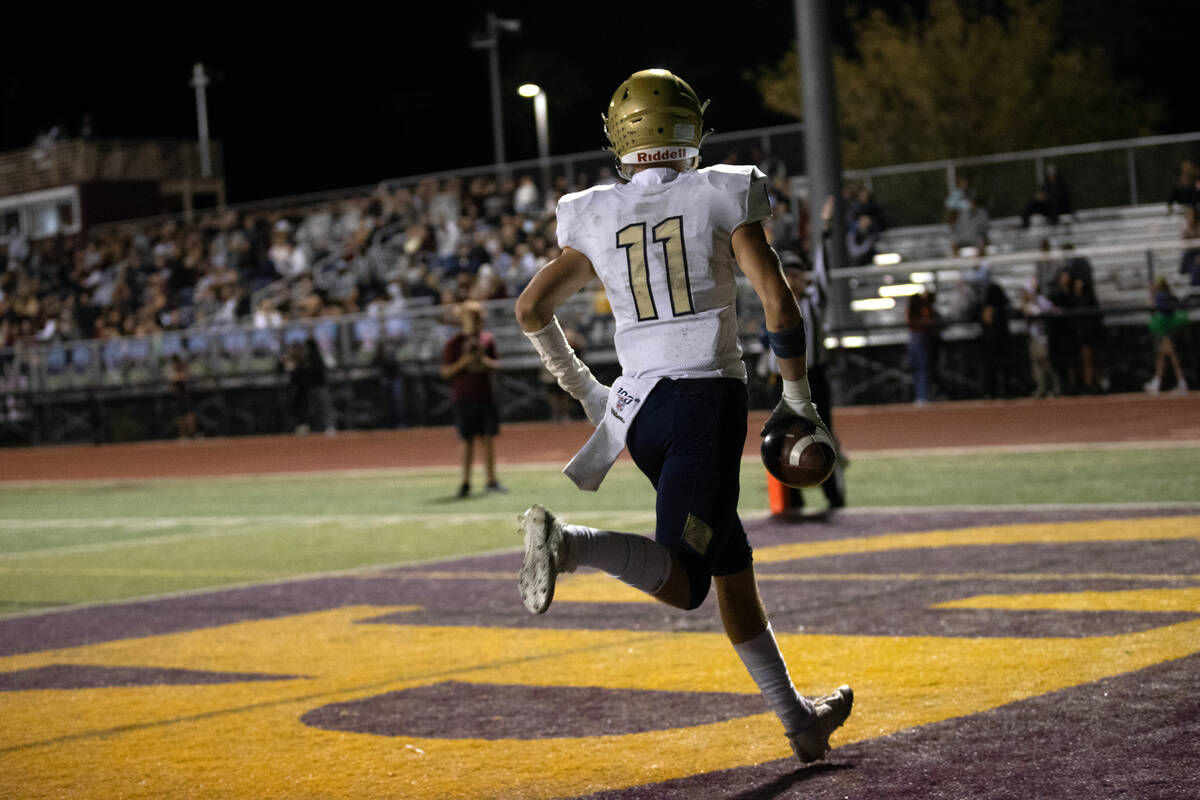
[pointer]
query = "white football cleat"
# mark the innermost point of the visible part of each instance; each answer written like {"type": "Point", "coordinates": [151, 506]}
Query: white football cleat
{"type": "Point", "coordinates": [545, 557]}
{"type": "Point", "coordinates": [812, 743]}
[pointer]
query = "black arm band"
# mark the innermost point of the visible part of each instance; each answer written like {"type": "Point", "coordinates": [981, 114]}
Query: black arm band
{"type": "Point", "coordinates": [790, 343]}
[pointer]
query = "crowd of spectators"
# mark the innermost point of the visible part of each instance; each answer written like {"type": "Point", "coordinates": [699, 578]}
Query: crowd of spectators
{"type": "Point", "coordinates": [436, 242]}
{"type": "Point", "coordinates": [445, 241]}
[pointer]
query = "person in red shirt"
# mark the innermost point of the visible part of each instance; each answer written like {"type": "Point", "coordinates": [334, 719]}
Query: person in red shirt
{"type": "Point", "coordinates": [468, 361]}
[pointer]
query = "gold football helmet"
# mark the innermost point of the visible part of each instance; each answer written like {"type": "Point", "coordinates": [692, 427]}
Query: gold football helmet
{"type": "Point", "coordinates": [654, 116]}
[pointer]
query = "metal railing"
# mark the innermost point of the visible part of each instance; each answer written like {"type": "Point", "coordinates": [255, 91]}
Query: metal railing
{"type": "Point", "coordinates": [1097, 175]}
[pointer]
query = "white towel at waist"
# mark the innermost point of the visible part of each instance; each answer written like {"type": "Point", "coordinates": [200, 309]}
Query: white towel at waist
{"type": "Point", "coordinates": [593, 461]}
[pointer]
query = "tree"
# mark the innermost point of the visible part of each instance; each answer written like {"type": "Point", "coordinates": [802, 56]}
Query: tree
{"type": "Point", "coordinates": [947, 85]}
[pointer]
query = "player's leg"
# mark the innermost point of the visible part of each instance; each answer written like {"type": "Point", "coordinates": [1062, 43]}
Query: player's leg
{"type": "Point", "coordinates": [807, 723]}
{"type": "Point", "coordinates": [552, 547]}
{"type": "Point", "coordinates": [465, 420]}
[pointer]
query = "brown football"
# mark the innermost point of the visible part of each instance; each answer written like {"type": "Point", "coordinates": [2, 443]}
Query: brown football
{"type": "Point", "coordinates": [797, 454]}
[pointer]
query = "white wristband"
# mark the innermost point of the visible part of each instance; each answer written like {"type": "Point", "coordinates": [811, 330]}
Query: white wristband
{"type": "Point", "coordinates": [797, 391]}
{"type": "Point", "coordinates": [559, 358]}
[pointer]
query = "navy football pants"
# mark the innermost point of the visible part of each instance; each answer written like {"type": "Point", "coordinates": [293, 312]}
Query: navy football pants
{"type": "Point", "coordinates": [688, 440]}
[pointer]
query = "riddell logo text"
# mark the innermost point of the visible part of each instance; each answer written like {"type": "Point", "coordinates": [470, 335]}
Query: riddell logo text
{"type": "Point", "coordinates": [660, 155]}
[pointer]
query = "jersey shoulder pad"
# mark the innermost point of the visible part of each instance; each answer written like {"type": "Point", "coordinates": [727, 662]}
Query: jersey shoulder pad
{"type": "Point", "coordinates": [583, 197]}
{"type": "Point", "coordinates": [571, 207]}
{"type": "Point", "coordinates": [743, 193]}
{"type": "Point", "coordinates": [732, 177]}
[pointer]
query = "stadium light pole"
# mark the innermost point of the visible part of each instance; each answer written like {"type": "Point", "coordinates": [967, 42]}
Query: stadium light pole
{"type": "Point", "coordinates": [541, 119]}
{"type": "Point", "coordinates": [200, 82]}
{"type": "Point", "coordinates": [491, 42]}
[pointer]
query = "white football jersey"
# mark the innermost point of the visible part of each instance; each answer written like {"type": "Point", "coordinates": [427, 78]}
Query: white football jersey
{"type": "Point", "coordinates": [662, 250]}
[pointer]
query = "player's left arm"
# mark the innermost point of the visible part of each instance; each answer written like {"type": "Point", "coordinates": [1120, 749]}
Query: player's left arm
{"type": "Point", "coordinates": [553, 285]}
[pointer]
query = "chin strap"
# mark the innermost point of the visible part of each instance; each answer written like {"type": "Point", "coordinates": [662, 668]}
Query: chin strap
{"type": "Point", "coordinates": [572, 374]}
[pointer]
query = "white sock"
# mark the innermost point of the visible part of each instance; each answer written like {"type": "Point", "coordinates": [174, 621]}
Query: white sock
{"type": "Point", "coordinates": [766, 666]}
{"type": "Point", "coordinates": [636, 561]}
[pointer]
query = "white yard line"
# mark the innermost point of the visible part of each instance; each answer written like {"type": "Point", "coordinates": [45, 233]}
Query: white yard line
{"type": "Point", "coordinates": [218, 526]}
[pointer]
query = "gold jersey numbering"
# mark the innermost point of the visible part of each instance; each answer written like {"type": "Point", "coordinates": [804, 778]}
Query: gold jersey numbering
{"type": "Point", "coordinates": [668, 233]}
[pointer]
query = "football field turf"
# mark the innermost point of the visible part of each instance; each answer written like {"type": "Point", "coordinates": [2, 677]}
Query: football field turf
{"type": "Point", "coordinates": [1016, 622]}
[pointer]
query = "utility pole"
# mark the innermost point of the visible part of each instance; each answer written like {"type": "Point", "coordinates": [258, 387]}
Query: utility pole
{"type": "Point", "coordinates": [822, 146]}
{"type": "Point", "coordinates": [200, 82]}
{"type": "Point", "coordinates": [491, 42]}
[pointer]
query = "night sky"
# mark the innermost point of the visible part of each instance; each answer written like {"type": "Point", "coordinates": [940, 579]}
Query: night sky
{"type": "Point", "coordinates": [348, 96]}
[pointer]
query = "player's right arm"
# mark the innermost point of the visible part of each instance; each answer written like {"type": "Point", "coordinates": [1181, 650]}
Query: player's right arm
{"type": "Point", "coordinates": [553, 285]}
{"type": "Point", "coordinates": [785, 325]}
{"type": "Point", "coordinates": [760, 263]}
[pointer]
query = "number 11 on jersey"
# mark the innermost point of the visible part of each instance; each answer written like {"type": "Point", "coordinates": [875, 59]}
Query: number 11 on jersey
{"type": "Point", "coordinates": [668, 233]}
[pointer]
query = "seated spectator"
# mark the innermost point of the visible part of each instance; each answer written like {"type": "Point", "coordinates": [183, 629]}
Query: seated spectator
{"type": "Point", "coordinates": [1051, 200]}
{"type": "Point", "coordinates": [1189, 262]}
{"type": "Point", "coordinates": [1186, 191]}
{"type": "Point", "coordinates": [525, 196]}
{"type": "Point", "coordinates": [869, 206]}
{"type": "Point", "coordinates": [970, 228]}
{"type": "Point", "coordinates": [861, 242]}
{"type": "Point", "coordinates": [958, 199]}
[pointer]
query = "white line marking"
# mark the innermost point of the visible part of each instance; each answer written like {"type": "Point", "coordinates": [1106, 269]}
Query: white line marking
{"type": "Point", "coordinates": [217, 526]}
{"type": "Point", "coordinates": [446, 560]}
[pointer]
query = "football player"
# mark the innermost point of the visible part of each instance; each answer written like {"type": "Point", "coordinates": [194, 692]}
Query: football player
{"type": "Point", "coordinates": [665, 245]}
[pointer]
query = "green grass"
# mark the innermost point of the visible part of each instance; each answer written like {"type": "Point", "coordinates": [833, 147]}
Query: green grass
{"type": "Point", "coordinates": [77, 543]}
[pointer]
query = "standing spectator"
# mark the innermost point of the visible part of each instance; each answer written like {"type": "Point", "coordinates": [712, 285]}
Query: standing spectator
{"type": "Point", "coordinates": [1167, 319]}
{"type": "Point", "coordinates": [1090, 327]}
{"type": "Point", "coordinates": [1036, 307]}
{"type": "Point", "coordinates": [811, 289]}
{"type": "Point", "coordinates": [391, 384]}
{"type": "Point", "coordinates": [1051, 200]}
{"type": "Point", "coordinates": [1060, 327]}
{"type": "Point", "coordinates": [924, 332]}
{"type": "Point", "coordinates": [1046, 269]}
{"type": "Point", "coordinates": [308, 379]}
{"type": "Point", "coordinates": [783, 231]}
{"type": "Point", "coordinates": [1079, 266]}
{"type": "Point", "coordinates": [468, 362]}
{"type": "Point", "coordinates": [993, 316]}
{"type": "Point", "coordinates": [178, 376]}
